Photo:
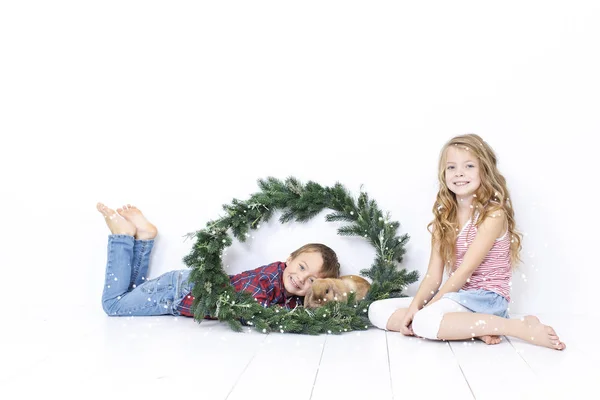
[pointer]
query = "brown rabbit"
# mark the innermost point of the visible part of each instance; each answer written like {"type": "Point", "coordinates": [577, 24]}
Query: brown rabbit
{"type": "Point", "coordinates": [331, 289]}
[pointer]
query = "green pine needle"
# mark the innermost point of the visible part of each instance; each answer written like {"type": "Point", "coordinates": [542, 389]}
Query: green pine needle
{"type": "Point", "coordinates": [215, 297]}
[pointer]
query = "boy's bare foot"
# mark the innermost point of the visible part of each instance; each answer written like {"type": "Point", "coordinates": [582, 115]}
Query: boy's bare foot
{"type": "Point", "coordinates": [145, 230]}
{"type": "Point", "coordinates": [490, 339]}
{"type": "Point", "coordinates": [117, 224]}
{"type": "Point", "coordinates": [540, 334]}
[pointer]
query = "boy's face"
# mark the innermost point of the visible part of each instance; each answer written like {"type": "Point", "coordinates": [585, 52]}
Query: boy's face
{"type": "Point", "coordinates": [301, 271]}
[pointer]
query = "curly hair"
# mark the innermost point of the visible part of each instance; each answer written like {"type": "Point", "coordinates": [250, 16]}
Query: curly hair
{"type": "Point", "coordinates": [491, 196]}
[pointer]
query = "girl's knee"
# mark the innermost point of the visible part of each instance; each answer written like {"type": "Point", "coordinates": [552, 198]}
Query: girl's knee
{"type": "Point", "coordinates": [426, 323]}
{"type": "Point", "coordinates": [380, 311]}
{"type": "Point", "coordinates": [379, 314]}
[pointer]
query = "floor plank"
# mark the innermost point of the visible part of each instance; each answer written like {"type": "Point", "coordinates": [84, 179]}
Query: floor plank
{"type": "Point", "coordinates": [571, 373]}
{"type": "Point", "coordinates": [286, 364]}
{"type": "Point", "coordinates": [144, 356]}
{"type": "Point", "coordinates": [149, 356]}
{"type": "Point", "coordinates": [494, 371]}
{"type": "Point", "coordinates": [354, 366]}
{"type": "Point", "coordinates": [29, 341]}
{"type": "Point", "coordinates": [425, 369]}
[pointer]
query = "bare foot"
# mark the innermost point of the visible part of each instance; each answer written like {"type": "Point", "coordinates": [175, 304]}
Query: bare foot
{"type": "Point", "coordinates": [490, 339]}
{"type": "Point", "coordinates": [145, 230]}
{"type": "Point", "coordinates": [117, 224]}
{"type": "Point", "coordinates": [540, 334]}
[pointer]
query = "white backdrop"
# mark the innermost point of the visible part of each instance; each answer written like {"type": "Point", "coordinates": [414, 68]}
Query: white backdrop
{"type": "Point", "coordinates": [180, 107]}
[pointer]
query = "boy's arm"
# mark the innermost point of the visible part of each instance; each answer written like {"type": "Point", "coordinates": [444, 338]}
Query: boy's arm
{"type": "Point", "coordinates": [252, 281]}
{"type": "Point", "coordinates": [262, 298]}
{"type": "Point", "coordinates": [487, 234]}
{"type": "Point", "coordinates": [259, 282]}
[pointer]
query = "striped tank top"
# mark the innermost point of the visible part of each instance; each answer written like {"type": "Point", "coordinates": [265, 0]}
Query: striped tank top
{"type": "Point", "coordinates": [495, 271]}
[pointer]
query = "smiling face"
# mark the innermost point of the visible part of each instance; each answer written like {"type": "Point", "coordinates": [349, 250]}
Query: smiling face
{"type": "Point", "coordinates": [462, 172]}
{"type": "Point", "coordinates": [301, 271]}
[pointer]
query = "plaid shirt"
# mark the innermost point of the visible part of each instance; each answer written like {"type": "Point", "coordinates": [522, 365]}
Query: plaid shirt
{"type": "Point", "coordinates": [264, 283]}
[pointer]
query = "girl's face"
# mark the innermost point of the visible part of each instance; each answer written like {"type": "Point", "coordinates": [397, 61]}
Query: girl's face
{"type": "Point", "coordinates": [462, 172]}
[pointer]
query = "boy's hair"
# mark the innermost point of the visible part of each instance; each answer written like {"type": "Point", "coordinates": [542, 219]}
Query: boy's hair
{"type": "Point", "coordinates": [491, 196]}
{"type": "Point", "coordinates": [331, 266]}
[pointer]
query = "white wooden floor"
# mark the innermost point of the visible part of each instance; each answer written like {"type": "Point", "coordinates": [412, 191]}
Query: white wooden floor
{"type": "Point", "coordinates": [168, 357]}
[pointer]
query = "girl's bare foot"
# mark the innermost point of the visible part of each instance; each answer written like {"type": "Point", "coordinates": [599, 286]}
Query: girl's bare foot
{"type": "Point", "coordinates": [145, 230]}
{"type": "Point", "coordinates": [117, 224]}
{"type": "Point", "coordinates": [490, 339]}
{"type": "Point", "coordinates": [540, 334]}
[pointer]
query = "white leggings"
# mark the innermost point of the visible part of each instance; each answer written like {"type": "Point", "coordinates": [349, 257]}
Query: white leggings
{"type": "Point", "coordinates": [426, 322]}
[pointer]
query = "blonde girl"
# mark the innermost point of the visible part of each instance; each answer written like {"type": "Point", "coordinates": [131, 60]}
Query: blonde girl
{"type": "Point", "coordinates": [473, 238]}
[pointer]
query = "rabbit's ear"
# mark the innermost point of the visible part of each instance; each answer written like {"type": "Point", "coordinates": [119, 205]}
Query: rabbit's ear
{"type": "Point", "coordinates": [338, 291]}
{"type": "Point", "coordinates": [317, 287]}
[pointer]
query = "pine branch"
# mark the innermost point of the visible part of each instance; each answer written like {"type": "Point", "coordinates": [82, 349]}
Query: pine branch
{"type": "Point", "coordinates": [214, 295]}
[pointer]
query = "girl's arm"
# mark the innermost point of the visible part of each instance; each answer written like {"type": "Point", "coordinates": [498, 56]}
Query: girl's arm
{"type": "Point", "coordinates": [432, 281]}
{"type": "Point", "coordinates": [487, 233]}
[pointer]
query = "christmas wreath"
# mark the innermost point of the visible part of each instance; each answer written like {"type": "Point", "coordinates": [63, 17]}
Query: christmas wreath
{"type": "Point", "coordinates": [215, 296]}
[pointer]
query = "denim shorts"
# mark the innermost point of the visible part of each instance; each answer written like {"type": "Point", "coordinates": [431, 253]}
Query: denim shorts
{"type": "Point", "coordinates": [481, 301]}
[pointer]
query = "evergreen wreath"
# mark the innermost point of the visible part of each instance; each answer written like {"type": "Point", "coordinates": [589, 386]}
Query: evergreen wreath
{"type": "Point", "coordinates": [216, 297]}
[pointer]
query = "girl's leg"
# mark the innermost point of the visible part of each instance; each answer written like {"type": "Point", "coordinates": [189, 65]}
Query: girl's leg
{"type": "Point", "coordinates": [426, 322]}
{"type": "Point", "coordinates": [458, 326]}
{"type": "Point", "coordinates": [388, 313]}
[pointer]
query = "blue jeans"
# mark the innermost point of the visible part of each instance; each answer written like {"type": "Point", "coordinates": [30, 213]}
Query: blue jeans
{"type": "Point", "coordinates": [128, 292]}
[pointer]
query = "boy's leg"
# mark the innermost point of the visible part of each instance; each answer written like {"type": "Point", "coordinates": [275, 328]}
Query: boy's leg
{"type": "Point", "coordinates": [159, 296]}
{"type": "Point", "coordinates": [118, 270]}
{"type": "Point", "coordinates": [144, 241]}
{"type": "Point", "coordinates": [141, 262]}
{"type": "Point", "coordinates": [120, 255]}
{"type": "Point", "coordinates": [154, 297]}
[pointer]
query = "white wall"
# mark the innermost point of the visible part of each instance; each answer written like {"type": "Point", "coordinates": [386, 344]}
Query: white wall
{"type": "Point", "coordinates": [178, 108]}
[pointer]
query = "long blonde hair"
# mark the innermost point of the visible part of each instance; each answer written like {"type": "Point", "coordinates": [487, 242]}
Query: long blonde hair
{"type": "Point", "coordinates": [491, 196]}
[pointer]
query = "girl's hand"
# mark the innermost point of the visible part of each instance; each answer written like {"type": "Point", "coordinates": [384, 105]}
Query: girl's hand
{"type": "Point", "coordinates": [406, 325]}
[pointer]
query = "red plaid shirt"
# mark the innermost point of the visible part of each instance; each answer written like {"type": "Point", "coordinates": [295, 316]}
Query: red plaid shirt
{"type": "Point", "coordinates": [264, 283]}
